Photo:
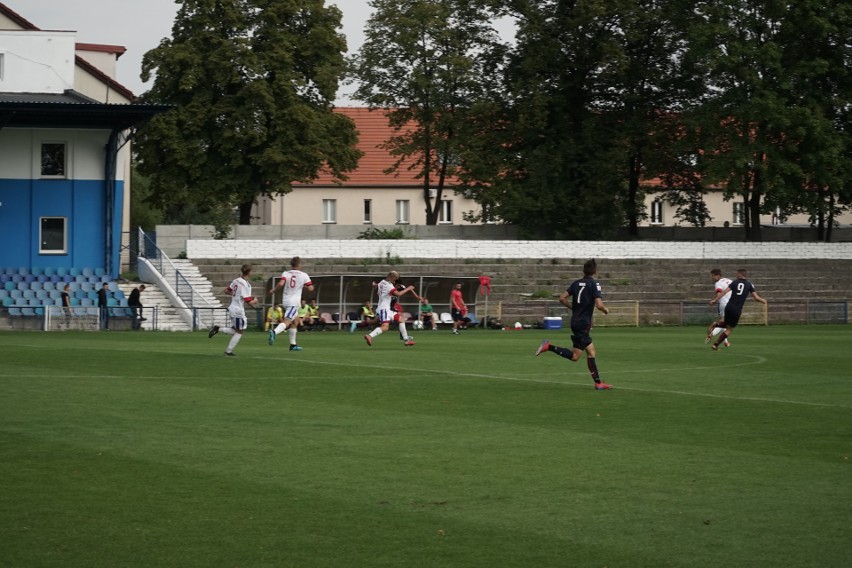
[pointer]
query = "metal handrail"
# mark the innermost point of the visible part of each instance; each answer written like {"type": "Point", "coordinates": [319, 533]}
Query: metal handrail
{"type": "Point", "coordinates": [182, 287]}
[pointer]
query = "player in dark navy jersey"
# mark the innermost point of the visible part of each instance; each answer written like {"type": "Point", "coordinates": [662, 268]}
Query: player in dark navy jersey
{"type": "Point", "coordinates": [583, 297]}
{"type": "Point", "coordinates": [740, 290]}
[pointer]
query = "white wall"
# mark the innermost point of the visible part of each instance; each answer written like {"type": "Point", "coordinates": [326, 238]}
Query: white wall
{"type": "Point", "coordinates": [410, 249]}
{"type": "Point", "coordinates": [36, 61]}
{"type": "Point", "coordinates": [20, 152]}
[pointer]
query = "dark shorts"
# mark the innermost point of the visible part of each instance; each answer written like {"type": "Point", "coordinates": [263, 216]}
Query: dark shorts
{"type": "Point", "coordinates": [457, 315]}
{"type": "Point", "coordinates": [581, 337]}
{"type": "Point", "coordinates": [732, 316]}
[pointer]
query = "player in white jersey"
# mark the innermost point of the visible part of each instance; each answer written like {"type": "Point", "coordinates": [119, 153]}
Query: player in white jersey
{"type": "Point", "coordinates": [240, 291]}
{"type": "Point", "coordinates": [292, 281]}
{"type": "Point", "coordinates": [387, 289]}
{"type": "Point", "coordinates": [718, 325]}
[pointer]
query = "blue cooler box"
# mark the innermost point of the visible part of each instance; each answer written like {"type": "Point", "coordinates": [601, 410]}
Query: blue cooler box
{"type": "Point", "coordinates": [553, 323]}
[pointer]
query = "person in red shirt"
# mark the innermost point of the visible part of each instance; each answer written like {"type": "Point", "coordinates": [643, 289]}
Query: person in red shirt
{"type": "Point", "coordinates": [458, 309]}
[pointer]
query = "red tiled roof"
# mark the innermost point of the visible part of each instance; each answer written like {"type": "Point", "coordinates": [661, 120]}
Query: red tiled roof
{"type": "Point", "coordinates": [373, 131]}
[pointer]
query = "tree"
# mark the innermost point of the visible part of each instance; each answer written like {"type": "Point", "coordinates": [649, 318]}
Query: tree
{"type": "Point", "coordinates": [427, 63]}
{"type": "Point", "coordinates": [766, 62]}
{"type": "Point", "coordinates": [252, 84]}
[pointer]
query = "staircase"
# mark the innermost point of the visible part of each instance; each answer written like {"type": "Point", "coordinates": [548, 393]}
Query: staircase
{"type": "Point", "coordinates": [168, 316]}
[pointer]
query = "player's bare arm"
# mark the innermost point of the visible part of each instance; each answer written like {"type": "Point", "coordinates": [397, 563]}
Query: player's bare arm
{"type": "Point", "coordinates": [565, 299]}
{"type": "Point", "coordinates": [600, 305]}
{"type": "Point", "coordinates": [757, 297]}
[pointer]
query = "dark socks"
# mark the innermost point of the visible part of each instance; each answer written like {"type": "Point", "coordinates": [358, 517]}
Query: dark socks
{"type": "Point", "coordinates": [593, 369]}
{"type": "Point", "coordinates": [562, 351]}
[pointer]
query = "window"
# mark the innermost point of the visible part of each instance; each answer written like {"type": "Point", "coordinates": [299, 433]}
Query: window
{"type": "Point", "coordinates": [53, 159]}
{"type": "Point", "coordinates": [778, 217]}
{"type": "Point", "coordinates": [329, 211]}
{"type": "Point", "coordinates": [52, 235]}
{"type": "Point", "coordinates": [656, 212]}
{"type": "Point", "coordinates": [402, 212]}
{"type": "Point", "coordinates": [739, 213]}
{"type": "Point", "coordinates": [1, 66]}
{"type": "Point", "coordinates": [446, 215]}
{"type": "Point", "coordinates": [368, 211]}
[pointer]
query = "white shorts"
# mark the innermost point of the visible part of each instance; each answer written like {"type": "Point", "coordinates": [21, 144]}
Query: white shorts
{"type": "Point", "coordinates": [291, 312]}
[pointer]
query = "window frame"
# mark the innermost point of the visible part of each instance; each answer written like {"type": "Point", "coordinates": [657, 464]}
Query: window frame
{"type": "Point", "coordinates": [657, 212]}
{"type": "Point", "coordinates": [445, 214]}
{"type": "Point", "coordinates": [738, 214]}
{"type": "Point", "coordinates": [65, 151]}
{"type": "Point", "coordinates": [403, 212]}
{"type": "Point", "coordinates": [329, 211]}
{"type": "Point", "coordinates": [41, 236]}
{"type": "Point", "coordinates": [368, 212]}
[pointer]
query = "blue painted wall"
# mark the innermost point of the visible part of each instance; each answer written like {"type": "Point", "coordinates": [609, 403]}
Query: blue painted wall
{"type": "Point", "coordinates": [82, 202]}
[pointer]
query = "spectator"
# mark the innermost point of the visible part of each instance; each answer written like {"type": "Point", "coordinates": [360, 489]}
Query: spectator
{"type": "Point", "coordinates": [103, 305]}
{"type": "Point", "coordinates": [427, 314]}
{"type": "Point", "coordinates": [135, 304]}
{"type": "Point", "coordinates": [275, 314]}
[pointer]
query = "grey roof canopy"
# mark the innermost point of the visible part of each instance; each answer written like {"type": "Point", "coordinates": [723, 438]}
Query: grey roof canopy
{"type": "Point", "coordinates": [71, 110]}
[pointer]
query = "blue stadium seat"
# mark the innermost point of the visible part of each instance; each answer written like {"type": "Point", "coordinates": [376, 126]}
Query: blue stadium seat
{"type": "Point", "coordinates": [4, 293]}
{"type": "Point", "coordinates": [86, 286]}
{"type": "Point", "coordinates": [28, 311]}
{"type": "Point", "coordinates": [61, 271]}
{"type": "Point", "coordinates": [29, 278]}
{"type": "Point", "coordinates": [86, 302]}
{"type": "Point", "coordinates": [36, 286]}
{"type": "Point", "coordinates": [56, 278]}
{"type": "Point", "coordinates": [73, 286]}
{"type": "Point", "coordinates": [9, 286]}
{"type": "Point", "coordinates": [8, 302]}
{"type": "Point", "coordinates": [55, 295]}
{"type": "Point", "coordinates": [23, 271]}
{"type": "Point", "coordinates": [74, 271]}
{"type": "Point", "coordinates": [87, 272]}
{"type": "Point", "coordinates": [15, 312]}
{"type": "Point", "coordinates": [100, 272]}
{"type": "Point", "coordinates": [17, 278]}
{"type": "Point", "coordinates": [92, 295]}
{"type": "Point", "coordinates": [79, 294]}
{"type": "Point", "coordinates": [43, 278]}
{"type": "Point", "coordinates": [29, 294]}
{"type": "Point", "coordinates": [36, 271]}
{"type": "Point", "coordinates": [68, 278]}
{"type": "Point", "coordinates": [23, 285]}
{"type": "Point", "coordinates": [21, 302]}
{"type": "Point", "coordinates": [49, 286]}
{"type": "Point", "coordinates": [42, 295]}
{"type": "Point", "coordinates": [74, 301]}
{"type": "Point", "coordinates": [15, 294]}
{"type": "Point", "coordinates": [4, 278]}
{"type": "Point", "coordinates": [39, 311]}
{"type": "Point", "coordinates": [49, 271]}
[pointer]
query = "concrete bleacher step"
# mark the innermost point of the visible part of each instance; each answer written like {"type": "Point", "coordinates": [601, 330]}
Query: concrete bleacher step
{"type": "Point", "coordinates": [167, 315]}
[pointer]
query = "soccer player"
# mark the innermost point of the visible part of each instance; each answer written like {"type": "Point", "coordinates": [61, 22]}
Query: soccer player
{"type": "Point", "coordinates": [740, 290]}
{"type": "Point", "coordinates": [293, 281]}
{"type": "Point", "coordinates": [240, 292]}
{"type": "Point", "coordinates": [458, 308]}
{"type": "Point", "coordinates": [717, 326]}
{"type": "Point", "coordinates": [385, 314]}
{"type": "Point", "coordinates": [582, 297]}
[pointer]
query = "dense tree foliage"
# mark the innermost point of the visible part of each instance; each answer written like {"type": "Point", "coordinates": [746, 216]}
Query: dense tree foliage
{"type": "Point", "coordinates": [252, 82]}
{"type": "Point", "coordinates": [598, 97]}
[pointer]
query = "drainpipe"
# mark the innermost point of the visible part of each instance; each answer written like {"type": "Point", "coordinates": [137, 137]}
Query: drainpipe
{"type": "Point", "coordinates": [109, 199]}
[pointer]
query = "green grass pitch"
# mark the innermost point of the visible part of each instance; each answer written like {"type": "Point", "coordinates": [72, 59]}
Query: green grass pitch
{"type": "Point", "coordinates": [153, 449]}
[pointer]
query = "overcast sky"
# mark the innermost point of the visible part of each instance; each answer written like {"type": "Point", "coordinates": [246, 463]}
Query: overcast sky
{"type": "Point", "coordinates": [139, 25]}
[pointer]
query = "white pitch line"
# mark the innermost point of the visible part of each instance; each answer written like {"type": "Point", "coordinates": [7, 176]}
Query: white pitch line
{"type": "Point", "coordinates": [302, 359]}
